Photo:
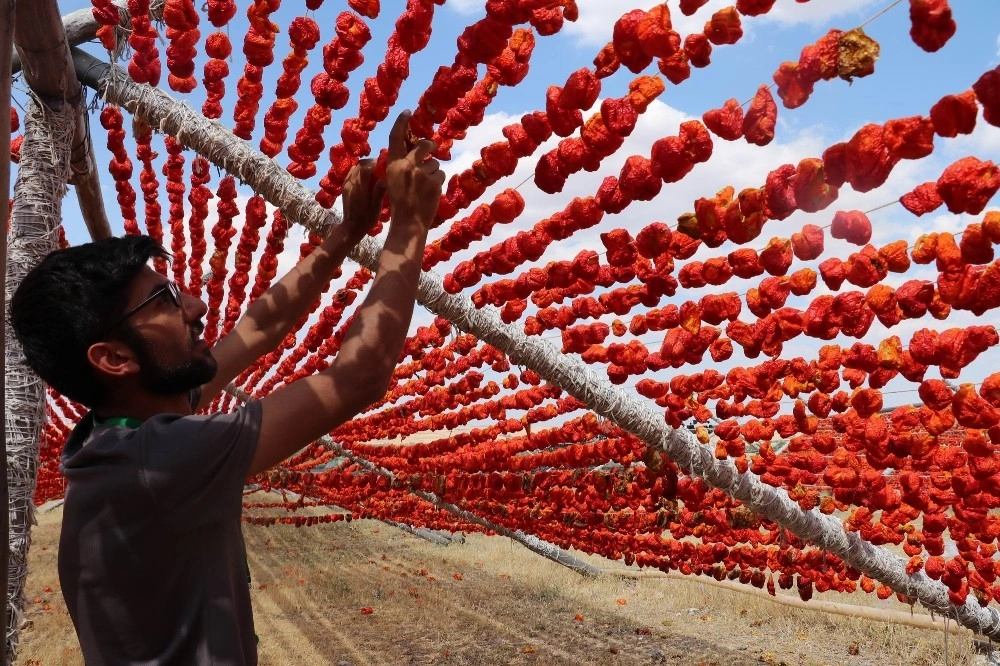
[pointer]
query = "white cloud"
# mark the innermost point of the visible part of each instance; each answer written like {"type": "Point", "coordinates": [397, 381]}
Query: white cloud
{"type": "Point", "coordinates": [465, 6]}
{"type": "Point", "coordinates": [597, 17]}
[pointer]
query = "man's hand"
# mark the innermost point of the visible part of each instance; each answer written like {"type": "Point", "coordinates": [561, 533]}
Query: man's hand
{"type": "Point", "coordinates": [414, 180]}
{"type": "Point", "coordinates": [360, 374]}
{"type": "Point", "coordinates": [362, 199]}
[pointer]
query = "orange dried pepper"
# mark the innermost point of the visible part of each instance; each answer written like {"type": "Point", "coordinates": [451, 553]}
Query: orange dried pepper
{"type": "Point", "coordinates": [794, 87]}
{"type": "Point", "coordinates": [909, 138]}
{"type": "Point", "coordinates": [655, 33]}
{"type": "Point", "coordinates": [967, 185]}
{"type": "Point", "coordinates": [931, 24]}
{"type": "Point", "coordinates": [808, 243]}
{"type": "Point", "coordinates": [852, 226]}
{"type": "Point", "coordinates": [760, 118]}
{"type": "Point", "coordinates": [923, 199]}
{"type": "Point", "coordinates": [724, 27]}
{"type": "Point", "coordinates": [698, 50]}
{"type": "Point", "coordinates": [955, 114]}
{"type": "Point", "coordinates": [726, 122]}
{"type": "Point", "coordinates": [812, 192]}
{"type": "Point", "coordinates": [868, 161]}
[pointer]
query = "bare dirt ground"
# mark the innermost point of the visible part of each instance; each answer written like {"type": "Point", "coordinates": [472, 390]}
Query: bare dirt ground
{"type": "Point", "coordinates": [489, 601]}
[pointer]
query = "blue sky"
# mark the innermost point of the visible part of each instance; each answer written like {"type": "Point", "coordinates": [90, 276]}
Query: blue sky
{"type": "Point", "coordinates": [907, 82]}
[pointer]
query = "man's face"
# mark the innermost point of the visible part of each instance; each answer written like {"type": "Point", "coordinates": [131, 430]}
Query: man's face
{"type": "Point", "coordinates": [166, 338]}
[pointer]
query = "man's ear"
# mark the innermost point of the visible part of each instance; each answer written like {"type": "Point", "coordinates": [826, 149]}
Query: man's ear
{"type": "Point", "coordinates": [113, 359]}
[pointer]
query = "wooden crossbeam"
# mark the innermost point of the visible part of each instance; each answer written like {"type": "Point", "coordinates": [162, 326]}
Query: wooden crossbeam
{"type": "Point", "coordinates": [40, 40]}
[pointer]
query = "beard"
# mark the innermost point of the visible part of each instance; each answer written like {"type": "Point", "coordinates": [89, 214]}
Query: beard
{"type": "Point", "coordinates": [171, 379]}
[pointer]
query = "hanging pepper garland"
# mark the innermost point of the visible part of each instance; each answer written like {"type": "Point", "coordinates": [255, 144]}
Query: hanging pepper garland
{"type": "Point", "coordinates": [303, 33]}
{"type": "Point", "coordinates": [173, 169]}
{"type": "Point", "coordinates": [198, 199]}
{"type": "Point", "coordinates": [144, 67]}
{"type": "Point", "coordinates": [121, 166]}
{"type": "Point", "coordinates": [223, 232]}
{"type": "Point", "coordinates": [258, 47]}
{"type": "Point", "coordinates": [150, 186]}
{"type": "Point", "coordinates": [255, 218]}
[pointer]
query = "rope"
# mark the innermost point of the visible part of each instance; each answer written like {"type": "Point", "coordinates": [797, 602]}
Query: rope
{"type": "Point", "coordinates": [37, 214]}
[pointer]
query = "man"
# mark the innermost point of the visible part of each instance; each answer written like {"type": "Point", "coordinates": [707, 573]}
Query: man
{"type": "Point", "coordinates": [151, 556]}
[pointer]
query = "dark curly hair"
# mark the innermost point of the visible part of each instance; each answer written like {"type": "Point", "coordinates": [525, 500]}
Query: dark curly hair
{"type": "Point", "coordinates": [63, 304]}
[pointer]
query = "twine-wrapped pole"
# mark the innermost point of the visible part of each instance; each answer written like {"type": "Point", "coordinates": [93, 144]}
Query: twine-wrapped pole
{"type": "Point", "coordinates": [6, 47]}
{"type": "Point", "coordinates": [226, 151]}
{"type": "Point", "coordinates": [37, 214]}
{"type": "Point", "coordinates": [40, 38]}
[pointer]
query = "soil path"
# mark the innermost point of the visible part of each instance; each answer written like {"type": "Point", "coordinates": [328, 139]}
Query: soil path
{"type": "Point", "coordinates": [352, 594]}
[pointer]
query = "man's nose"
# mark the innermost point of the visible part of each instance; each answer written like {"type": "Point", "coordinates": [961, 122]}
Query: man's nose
{"type": "Point", "coordinates": [194, 307]}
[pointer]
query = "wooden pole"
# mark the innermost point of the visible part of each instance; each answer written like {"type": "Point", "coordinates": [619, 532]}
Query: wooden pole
{"type": "Point", "coordinates": [6, 45]}
{"type": "Point", "coordinates": [40, 39]}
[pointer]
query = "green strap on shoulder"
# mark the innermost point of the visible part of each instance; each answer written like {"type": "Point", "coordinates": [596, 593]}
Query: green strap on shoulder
{"type": "Point", "coordinates": [126, 421]}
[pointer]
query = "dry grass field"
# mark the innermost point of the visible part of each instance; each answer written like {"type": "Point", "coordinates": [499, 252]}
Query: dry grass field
{"type": "Point", "coordinates": [489, 601]}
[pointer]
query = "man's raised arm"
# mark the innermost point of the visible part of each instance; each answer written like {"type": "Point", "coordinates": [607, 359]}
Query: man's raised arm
{"type": "Point", "coordinates": [303, 411]}
{"type": "Point", "coordinates": [270, 318]}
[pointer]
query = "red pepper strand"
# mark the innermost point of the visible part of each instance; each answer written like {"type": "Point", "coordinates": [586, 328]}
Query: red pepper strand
{"type": "Point", "coordinates": [150, 186]}
{"type": "Point", "coordinates": [501, 258]}
{"type": "Point", "coordinates": [106, 14]}
{"type": "Point", "coordinates": [329, 347]}
{"type": "Point", "coordinates": [422, 453]}
{"type": "Point", "coordinates": [524, 399]}
{"type": "Point", "coordinates": [504, 209]}
{"type": "Point", "coordinates": [121, 166]}
{"type": "Point", "coordinates": [258, 47]}
{"type": "Point", "coordinates": [480, 43]}
{"type": "Point", "coordinates": [398, 389]}
{"type": "Point", "coordinates": [200, 194]}
{"type": "Point", "coordinates": [411, 34]}
{"type": "Point", "coordinates": [252, 375]}
{"type": "Point", "coordinates": [341, 57]}
{"type": "Point", "coordinates": [218, 48]}
{"type": "Point", "coordinates": [256, 216]}
{"type": "Point", "coordinates": [468, 112]}
{"type": "Point", "coordinates": [330, 93]}
{"type": "Point", "coordinates": [144, 67]}
{"type": "Point", "coordinates": [181, 19]}
{"type": "Point", "coordinates": [319, 331]}
{"type": "Point", "coordinates": [267, 266]}
{"type": "Point", "coordinates": [173, 169]}
{"type": "Point", "coordinates": [303, 33]}
{"type": "Point", "coordinates": [600, 137]}
{"type": "Point", "coordinates": [222, 232]}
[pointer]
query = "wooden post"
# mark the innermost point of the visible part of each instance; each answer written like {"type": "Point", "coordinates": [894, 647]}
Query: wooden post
{"type": "Point", "coordinates": [40, 40]}
{"type": "Point", "coordinates": [6, 45]}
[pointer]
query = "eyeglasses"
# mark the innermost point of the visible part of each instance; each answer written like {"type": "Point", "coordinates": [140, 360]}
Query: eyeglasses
{"type": "Point", "coordinates": [170, 288]}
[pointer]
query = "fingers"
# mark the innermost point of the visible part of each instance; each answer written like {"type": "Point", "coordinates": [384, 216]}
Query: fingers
{"type": "Point", "coordinates": [422, 150]}
{"type": "Point", "coordinates": [397, 137]}
{"type": "Point", "coordinates": [432, 168]}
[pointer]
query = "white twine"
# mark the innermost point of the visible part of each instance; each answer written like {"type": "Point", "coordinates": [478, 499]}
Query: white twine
{"type": "Point", "coordinates": [37, 214]}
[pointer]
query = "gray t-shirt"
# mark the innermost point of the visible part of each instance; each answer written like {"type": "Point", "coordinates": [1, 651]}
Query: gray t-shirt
{"type": "Point", "coordinates": [151, 556]}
